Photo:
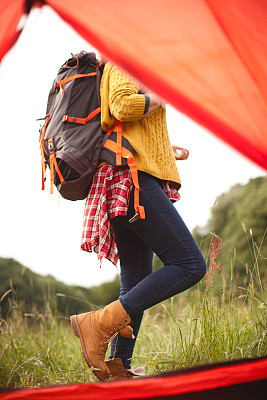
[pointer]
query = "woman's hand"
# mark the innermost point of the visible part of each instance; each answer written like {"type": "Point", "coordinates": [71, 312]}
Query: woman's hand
{"type": "Point", "coordinates": [181, 154]}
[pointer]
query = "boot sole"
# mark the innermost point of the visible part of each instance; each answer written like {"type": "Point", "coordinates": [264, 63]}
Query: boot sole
{"type": "Point", "coordinates": [77, 332]}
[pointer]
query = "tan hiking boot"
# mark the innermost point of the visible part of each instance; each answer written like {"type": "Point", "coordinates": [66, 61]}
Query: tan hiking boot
{"type": "Point", "coordinates": [117, 370]}
{"type": "Point", "coordinates": [96, 329]}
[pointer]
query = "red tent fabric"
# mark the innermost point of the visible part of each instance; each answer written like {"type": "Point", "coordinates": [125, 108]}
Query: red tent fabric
{"type": "Point", "coordinates": [234, 380]}
{"type": "Point", "coordinates": [205, 57]}
{"type": "Point", "coordinates": [10, 15]}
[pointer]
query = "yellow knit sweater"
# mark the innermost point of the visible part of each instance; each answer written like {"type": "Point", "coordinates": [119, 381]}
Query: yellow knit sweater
{"type": "Point", "coordinates": [148, 135]}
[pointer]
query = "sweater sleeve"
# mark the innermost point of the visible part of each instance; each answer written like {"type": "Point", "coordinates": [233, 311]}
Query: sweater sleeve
{"type": "Point", "coordinates": [124, 101]}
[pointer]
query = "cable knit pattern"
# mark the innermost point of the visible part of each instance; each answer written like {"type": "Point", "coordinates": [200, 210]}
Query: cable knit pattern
{"type": "Point", "coordinates": [148, 135]}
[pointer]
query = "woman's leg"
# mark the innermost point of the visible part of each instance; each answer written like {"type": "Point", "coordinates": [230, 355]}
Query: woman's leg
{"type": "Point", "coordinates": [165, 233]}
{"type": "Point", "coordinates": [135, 264]}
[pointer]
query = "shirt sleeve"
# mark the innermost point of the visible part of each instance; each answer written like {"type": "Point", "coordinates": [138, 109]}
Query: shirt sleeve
{"type": "Point", "coordinates": [124, 101]}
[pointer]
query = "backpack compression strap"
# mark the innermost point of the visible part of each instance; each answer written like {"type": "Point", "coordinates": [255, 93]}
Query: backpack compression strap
{"type": "Point", "coordinates": [53, 163]}
{"type": "Point", "coordinates": [41, 142]}
{"type": "Point", "coordinates": [82, 120]}
{"type": "Point", "coordinates": [52, 158]}
{"type": "Point", "coordinates": [140, 211]}
{"type": "Point", "coordinates": [71, 78]}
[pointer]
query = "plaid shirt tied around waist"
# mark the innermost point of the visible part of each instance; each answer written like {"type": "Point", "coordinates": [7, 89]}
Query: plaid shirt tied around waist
{"type": "Point", "coordinates": [109, 197]}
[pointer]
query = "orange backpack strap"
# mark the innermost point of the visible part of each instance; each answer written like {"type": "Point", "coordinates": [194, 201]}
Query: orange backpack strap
{"type": "Point", "coordinates": [140, 211]}
{"type": "Point", "coordinates": [82, 120]}
{"type": "Point", "coordinates": [43, 166]}
{"type": "Point", "coordinates": [71, 78]}
{"type": "Point", "coordinates": [53, 163]}
{"type": "Point", "coordinates": [119, 141]}
{"type": "Point", "coordinates": [112, 128]}
{"type": "Point", "coordinates": [41, 142]}
{"type": "Point", "coordinates": [75, 66]}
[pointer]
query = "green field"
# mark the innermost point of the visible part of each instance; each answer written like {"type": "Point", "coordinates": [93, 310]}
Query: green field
{"type": "Point", "coordinates": [219, 319]}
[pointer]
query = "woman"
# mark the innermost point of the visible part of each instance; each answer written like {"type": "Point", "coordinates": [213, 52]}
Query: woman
{"type": "Point", "coordinates": [107, 229]}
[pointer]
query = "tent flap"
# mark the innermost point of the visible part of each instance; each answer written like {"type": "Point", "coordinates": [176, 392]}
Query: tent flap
{"type": "Point", "coordinates": [10, 15]}
{"type": "Point", "coordinates": [207, 58]}
{"type": "Point", "coordinates": [208, 382]}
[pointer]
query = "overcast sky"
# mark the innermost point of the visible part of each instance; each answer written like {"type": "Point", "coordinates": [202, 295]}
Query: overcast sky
{"type": "Point", "coordinates": [37, 229]}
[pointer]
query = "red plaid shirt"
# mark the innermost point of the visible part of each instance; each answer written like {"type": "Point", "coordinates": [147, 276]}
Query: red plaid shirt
{"type": "Point", "coordinates": [109, 197]}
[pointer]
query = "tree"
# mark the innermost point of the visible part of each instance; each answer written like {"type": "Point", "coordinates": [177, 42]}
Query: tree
{"type": "Point", "coordinates": [240, 219]}
{"type": "Point", "coordinates": [32, 291]}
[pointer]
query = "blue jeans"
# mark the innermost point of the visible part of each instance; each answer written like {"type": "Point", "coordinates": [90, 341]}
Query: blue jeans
{"type": "Point", "coordinates": [164, 233]}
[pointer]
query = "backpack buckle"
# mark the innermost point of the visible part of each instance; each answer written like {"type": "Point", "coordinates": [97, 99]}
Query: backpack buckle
{"type": "Point", "coordinates": [50, 145]}
{"type": "Point", "coordinates": [134, 218]}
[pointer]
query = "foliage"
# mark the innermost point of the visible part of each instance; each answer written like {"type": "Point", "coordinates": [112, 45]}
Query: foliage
{"type": "Point", "coordinates": [208, 323]}
{"type": "Point", "coordinates": [157, 263]}
{"type": "Point", "coordinates": [203, 325]}
{"type": "Point", "coordinates": [242, 209]}
{"type": "Point", "coordinates": [33, 291]}
{"type": "Point", "coordinates": [39, 350]}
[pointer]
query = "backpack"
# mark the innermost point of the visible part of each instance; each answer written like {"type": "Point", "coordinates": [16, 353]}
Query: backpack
{"type": "Point", "coordinates": [72, 140]}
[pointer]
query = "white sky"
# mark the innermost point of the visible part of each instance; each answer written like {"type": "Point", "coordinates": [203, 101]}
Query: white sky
{"type": "Point", "coordinates": [38, 230]}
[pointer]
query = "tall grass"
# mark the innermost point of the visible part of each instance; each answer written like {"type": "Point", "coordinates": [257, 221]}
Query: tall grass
{"type": "Point", "coordinates": [218, 320]}
{"type": "Point", "coordinates": [210, 322]}
{"type": "Point", "coordinates": [39, 350]}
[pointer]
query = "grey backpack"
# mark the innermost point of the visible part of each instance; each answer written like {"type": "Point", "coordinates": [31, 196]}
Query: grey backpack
{"type": "Point", "coordinates": [72, 141]}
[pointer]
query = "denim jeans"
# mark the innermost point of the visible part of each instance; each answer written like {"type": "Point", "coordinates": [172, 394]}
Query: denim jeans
{"type": "Point", "coordinates": [164, 233]}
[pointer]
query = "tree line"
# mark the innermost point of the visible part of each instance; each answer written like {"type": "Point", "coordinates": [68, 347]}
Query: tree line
{"type": "Point", "coordinates": [20, 285]}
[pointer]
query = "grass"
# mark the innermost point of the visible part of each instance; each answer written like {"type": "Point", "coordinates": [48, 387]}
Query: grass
{"type": "Point", "coordinates": [201, 333]}
{"type": "Point", "coordinates": [210, 322]}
